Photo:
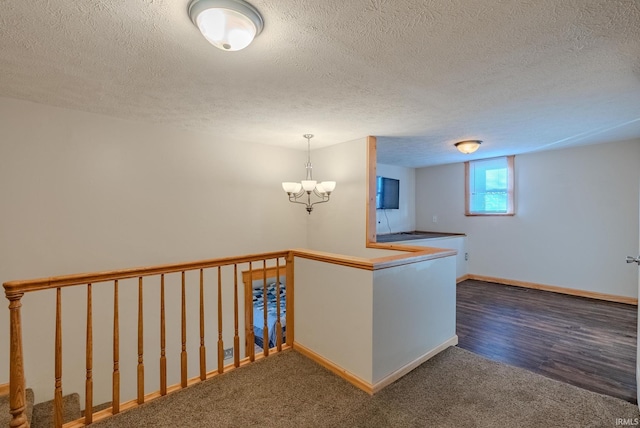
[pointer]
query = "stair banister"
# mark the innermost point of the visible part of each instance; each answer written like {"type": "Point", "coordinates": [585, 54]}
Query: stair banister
{"type": "Point", "coordinates": [17, 398]}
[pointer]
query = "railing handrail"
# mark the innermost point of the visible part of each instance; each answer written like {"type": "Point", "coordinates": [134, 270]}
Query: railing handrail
{"type": "Point", "coordinates": [14, 291]}
{"type": "Point", "coordinates": [29, 285]}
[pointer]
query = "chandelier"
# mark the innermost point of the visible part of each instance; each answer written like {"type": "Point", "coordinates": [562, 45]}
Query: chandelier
{"type": "Point", "coordinates": [301, 193]}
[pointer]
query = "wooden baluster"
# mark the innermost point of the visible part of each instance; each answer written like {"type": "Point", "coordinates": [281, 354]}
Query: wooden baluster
{"type": "Point", "coordinates": [17, 398]}
{"type": "Point", "coordinates": [220, 343]}
{"type": "Point", "coordinates": [183, 354]}
{"type": "Point", "coordinates": [140, 344]}
{"type": "Point", "coordinates": [236, 337]}
{"type": "Point", "coordinates": [88, 407]}
{"type": "Point", "coordinates": [251, 349]}
{"type": "Point", "coordinates": [163, 340]}
{"type": "Point", "coordinates": [289, 280]}
{"type": "Point", "coordinates": [278, 323]}
{"type": "Point", "coordinates": [115, 400]}
{"type": "Point", "coordinates": [265, 327]}
{"type": "Point", "coordinates": [203, 352]}
{"type": "Point", "coordinates": [57, 397]}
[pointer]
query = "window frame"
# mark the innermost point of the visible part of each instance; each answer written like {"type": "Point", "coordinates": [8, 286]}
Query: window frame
{"type": "Point", "coordinates": [510, 190]}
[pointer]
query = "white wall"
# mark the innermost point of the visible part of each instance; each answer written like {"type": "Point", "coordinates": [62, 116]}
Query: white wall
{"type": "Point", "coordinates": [576, 218]}
{"type": "Point", "coordinates": [404, 218]}
{"type": "Point", "coordinates": [82, 192]}
{"type": "Point", "coordinates": [333, 314]}
{"type": "Point", "coordinates": [414, 313]}
{"type": "Point", "coordinates": [378, 321]}
{"type": "Point", "coordinates": [339, 225]}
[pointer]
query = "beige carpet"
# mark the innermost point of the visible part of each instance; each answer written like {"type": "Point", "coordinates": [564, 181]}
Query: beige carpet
{"type": "Point", "coordinates": [454, 389]}
{"type": "Point", "coordinates": [5, 416]}
{"type": "Point", "coordinates": [43, 412]}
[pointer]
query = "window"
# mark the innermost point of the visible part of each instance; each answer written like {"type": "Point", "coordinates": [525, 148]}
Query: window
{"type": "Point", "coordinates": [489, 186]}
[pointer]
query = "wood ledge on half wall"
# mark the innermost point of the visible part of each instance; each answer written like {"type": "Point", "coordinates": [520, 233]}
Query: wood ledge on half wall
{"type": "Point", "coordinates": [409, 255]}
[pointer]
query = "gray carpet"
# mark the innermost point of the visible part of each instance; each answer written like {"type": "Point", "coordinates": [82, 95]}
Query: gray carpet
{"type": "Point", "coordinates": [454, 389]}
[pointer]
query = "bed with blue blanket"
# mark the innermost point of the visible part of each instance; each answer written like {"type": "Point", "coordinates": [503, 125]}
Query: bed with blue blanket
{"type": "Point", "coordinates": [256, 300]}
{"type": "Point", "coordinates": [270, 301]}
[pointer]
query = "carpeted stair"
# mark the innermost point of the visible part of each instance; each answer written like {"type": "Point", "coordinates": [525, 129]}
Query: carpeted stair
{"type": "Point", "coordinates": [43, 412]}
{"type": "Point", "coordinates": [5, 417]}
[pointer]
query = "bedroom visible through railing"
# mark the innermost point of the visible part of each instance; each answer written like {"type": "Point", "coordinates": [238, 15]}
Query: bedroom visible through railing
{"type": "Point", "coordinates": [142, 329]}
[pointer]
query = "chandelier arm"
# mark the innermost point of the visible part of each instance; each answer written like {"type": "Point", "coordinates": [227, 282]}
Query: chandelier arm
{"type": "Point", "coordinates": [321, 202]}
{"type": "Point", "coordinates": [323, 196]}
{"type": "Point", "coordinates": [300, 193]}
{"type": "Point", "coordinates": [298, 202]}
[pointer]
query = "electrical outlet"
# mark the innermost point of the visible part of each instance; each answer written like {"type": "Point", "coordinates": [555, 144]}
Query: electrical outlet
{"type": "Point", "coordinates": [435, 219]}
{"type": "Point", "coordinates": [228, 353]}
{"type": "Point", "coordinates": [466, 256]}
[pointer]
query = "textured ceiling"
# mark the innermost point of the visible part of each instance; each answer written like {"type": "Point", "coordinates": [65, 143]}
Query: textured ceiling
{"type": "Point", "coordinates": [521, 75]}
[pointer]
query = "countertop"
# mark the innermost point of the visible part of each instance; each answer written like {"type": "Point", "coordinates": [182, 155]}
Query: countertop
{"type": "Point", "coordinates": [416, 234]}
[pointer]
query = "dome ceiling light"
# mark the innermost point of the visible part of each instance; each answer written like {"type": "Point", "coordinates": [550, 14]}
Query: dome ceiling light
{"type": "Point", "coordinates": [468, 146]}
{"type": "Point", "coordinates": [230, 25]}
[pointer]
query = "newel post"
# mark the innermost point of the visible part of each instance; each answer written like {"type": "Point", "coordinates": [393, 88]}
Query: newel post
{"type": "Point", "coordinates": [17, 399]}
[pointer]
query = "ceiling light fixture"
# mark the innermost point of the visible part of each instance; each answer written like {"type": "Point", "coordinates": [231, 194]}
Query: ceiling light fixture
{"type": "Point", "coordinates": [468, 146]}
{"type": "Point", "coordinates": [309, 185]}
{"type": "Point", "coordinates": [229, 25]}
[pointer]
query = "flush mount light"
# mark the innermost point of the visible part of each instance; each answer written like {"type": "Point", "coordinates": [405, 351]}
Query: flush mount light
{"type": "Point", "coordinates": [229, 25]}
{"type": "Point", "coordinates": [468, 146]}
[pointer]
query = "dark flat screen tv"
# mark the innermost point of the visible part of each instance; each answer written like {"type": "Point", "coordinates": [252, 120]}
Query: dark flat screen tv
{"type": "Point", "coordinates": [387, 193]}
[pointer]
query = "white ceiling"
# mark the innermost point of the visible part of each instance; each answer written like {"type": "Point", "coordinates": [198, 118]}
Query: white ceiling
{"type": "Point", "coordinates": [521, 75]}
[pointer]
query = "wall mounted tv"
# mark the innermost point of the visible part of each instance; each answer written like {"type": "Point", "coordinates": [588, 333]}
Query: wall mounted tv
{"type": "Point", "coordinates": [387, 193]}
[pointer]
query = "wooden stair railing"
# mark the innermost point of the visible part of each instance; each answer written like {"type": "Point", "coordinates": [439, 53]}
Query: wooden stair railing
{"type": "Point", "coordinates": [15, 290]}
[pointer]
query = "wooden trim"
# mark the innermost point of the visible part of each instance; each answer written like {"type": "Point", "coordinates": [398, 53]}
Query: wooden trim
{"type": "Point", "coordinates": [462, 278]}
{"type": "Point", "coordinates": [466, 188]}
{"type": "Point", "coordinates": [372, 161]}
{"type": "Point", "coordinates": [17, 390]}
{"type": "Point", "coordinates": [410, 255]}
{"type": "Point", "coordinates": [140, 372]}
{"type": "Point", "coordinates": [248, 276]}
{"type": "Point", "coordinates": [115, 388]}
{"type": "Point", "coordinates": [88, 402]}
{"type": "Point", "coordinates": [236, 336]}
{"type": "Point", "coordinates": [57, 394]}
{"type": "Point", "coordinates": [4, 389]}
{"type": "Point", "coordinates": [334, 368]}
{"type": "Point", "coordinates": [27, 286]}
{"type": "Point", "coordinates": [511, 187]}
{"type": "Point", "coordinates": [389, 379]}
{"type": "Point", "coordinates": [510, 190]}
{"type": "Point", "coordinates": [555, 289]}
{"type": "Point", "coordinates": [490, 215]}
{"type": "Point", "coordinates": [291, 295]}
{"type": "Point", "coordinates": [220, 341]}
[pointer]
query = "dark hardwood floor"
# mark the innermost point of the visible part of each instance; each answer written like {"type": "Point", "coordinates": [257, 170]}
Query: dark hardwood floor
{"type": "Point", "coordinates": [585, 342]}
